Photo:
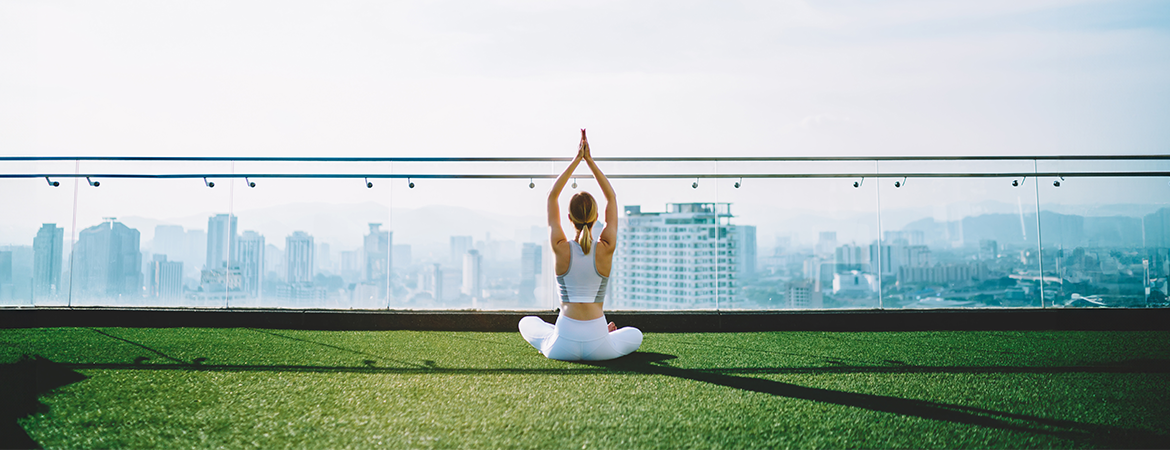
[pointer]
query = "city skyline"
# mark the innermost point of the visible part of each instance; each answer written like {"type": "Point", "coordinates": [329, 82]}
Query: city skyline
{"type": "Point", "coordinates": [837, 272]}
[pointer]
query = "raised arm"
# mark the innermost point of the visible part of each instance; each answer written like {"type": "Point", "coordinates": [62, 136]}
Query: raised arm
{"type": "Point", "coordinates": [557, 235]}
{"type": "Point", "coordinates": [609, 234]}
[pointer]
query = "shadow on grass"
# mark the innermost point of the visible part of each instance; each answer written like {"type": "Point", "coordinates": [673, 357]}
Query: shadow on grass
{"type": "Point", "coordinates": [1080, 433]}
{"type": "Point", "coordinates": [21, 384]}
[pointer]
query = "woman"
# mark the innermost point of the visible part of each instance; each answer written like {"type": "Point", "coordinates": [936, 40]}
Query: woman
{"type": "Point", "coordinates": [582, 267]}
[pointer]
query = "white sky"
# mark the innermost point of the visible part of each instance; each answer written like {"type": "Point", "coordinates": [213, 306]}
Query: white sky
{"type": "Point", "coordinates": [653, 78]}
{"type": "Point", "coordinates": [518, 78]}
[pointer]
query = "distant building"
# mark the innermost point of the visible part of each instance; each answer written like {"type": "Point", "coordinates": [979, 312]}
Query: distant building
{"type": "Point", "coordinates": [47, 250]}
{"type": "Point", "coordinates": [686, 257]}
{"type": "Point", "coordinates": [376, 254]}
{"type": "Point", "coordinates": [851, 257]}
{"type": "Point", "coordinates": [166, 278]}
{"type": "Point", "coordinates": [250, 260]}
{"type": "Point", "coordinates": [298, 252]}
{"type": "Point", "coordinates": [459, 247]}
{"type": "Point", "coordinates": [887, 259]}
{"type": "Point", "coordinates": [746, 247]}
{"type": "Point", "coordinates": [803, 294]}
{"type": "Point", "coordinates": [855, 283]}
{"type": "Point", "coordinates": [1156, 229]}
{"type": "Point", "coordinates": [170, 240]}
{"type": "Point", "coordinates": [942, 273]}
{"type": "Point", "coordinates": [107, 262]}
{"type": "Point", "coordinates": [221, 241]}
{"type": "Point", "coordinates": [530, 265]}
{"type": "Point", "coordinates": [432, 281]}
{"type": "Point", "coordinates": [473, 274]}
{"type": "Point", "coordinates": [988, 249]}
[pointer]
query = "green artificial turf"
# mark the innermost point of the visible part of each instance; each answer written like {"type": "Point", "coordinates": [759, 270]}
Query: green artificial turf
{"type": "Point", "coordinates": [240, 388]}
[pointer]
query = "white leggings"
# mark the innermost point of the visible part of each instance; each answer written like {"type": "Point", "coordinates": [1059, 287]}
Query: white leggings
{"type": "Point", "coordinates": [579, 340]}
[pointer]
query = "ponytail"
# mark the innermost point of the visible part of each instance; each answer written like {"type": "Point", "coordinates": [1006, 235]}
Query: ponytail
{"type": "Point", "coordinates": [583, 213]}
{"type": "Point", "coordinates": [585, 237]}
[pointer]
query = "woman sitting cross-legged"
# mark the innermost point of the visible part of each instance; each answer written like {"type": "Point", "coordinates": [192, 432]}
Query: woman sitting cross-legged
{"type": "Point", "coordinates": [582, 266]}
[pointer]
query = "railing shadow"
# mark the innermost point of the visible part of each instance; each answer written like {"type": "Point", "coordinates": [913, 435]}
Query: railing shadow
{"type": "Point", "coordinates": [1081, 433]}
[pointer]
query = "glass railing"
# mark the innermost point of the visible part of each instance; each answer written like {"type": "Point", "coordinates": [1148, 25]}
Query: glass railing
{"type": "Point", "coordinates": [694, 233]}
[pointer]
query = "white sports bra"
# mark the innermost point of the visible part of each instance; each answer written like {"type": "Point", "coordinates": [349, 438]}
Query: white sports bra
{"type": "Point", "coordinates": [582, 283]}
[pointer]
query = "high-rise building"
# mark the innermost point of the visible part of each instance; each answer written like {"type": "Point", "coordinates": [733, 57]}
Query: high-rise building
{"type": "Point", "coordinates": [169, 240]}
{"type": "Point", "coordinates": [250, 258]}
{"type": "Point", "coordinates": [221, 241]}
{"type": "Point", "coordinates": [850, 257]}
{"type": "Point", "coordinates": [746, 247]}
{"type": "Point", "coordinates": [473, 274]}
{"type": "Point", "coordinates": [459, 247]}
{"type": "Point", "coordinates": [685, 257]}
{"type": "Point", "coordinates": [530, 264]}
{"type": "Point", "coordinates": [376, 251]}
{"type": "Point", "coordinates": [166, 278]}
{"type": "Point", "coordinates": [47, 247]}
{"type": "Point", "coordinates": [889, 258]}
{"type": "Point", "coordinates": [298, 252]}
{"type": "Point", "coordinates": [107, 261]}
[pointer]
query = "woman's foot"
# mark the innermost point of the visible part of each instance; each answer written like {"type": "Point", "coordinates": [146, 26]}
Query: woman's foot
{"type": "Point", "coordinates": [612, 327]}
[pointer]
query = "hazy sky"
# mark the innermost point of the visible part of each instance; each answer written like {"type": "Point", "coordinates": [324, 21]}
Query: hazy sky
{"type": "Point", "coordinates": [518, 78]}
{"type": "Point", "coordinates": [653, 78]}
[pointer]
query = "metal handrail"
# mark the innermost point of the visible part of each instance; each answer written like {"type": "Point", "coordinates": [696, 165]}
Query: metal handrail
{"type": "Point", "coordinates": [856, 174]}
{"type": "Point", "coordinates": [586, 176]}
{"type": "Point", "coordinates": [610, 159]}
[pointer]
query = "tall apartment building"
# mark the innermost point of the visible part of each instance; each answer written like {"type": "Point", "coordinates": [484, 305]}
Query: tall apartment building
{"type": "Point", "coordinates": [166, 278]}
{"type": "Point", "coordinates": [684, 257]}
{"type": "Point", "coordinates": [107, 261]}
{"type": "Point", "coordinates": [298, 252]}
{"type": "Point", "coordinates": [221, 241]}
{"type": "Point", "coordinates": [250, 259]}
{"type": "Point", "coordinates": [47, 247]}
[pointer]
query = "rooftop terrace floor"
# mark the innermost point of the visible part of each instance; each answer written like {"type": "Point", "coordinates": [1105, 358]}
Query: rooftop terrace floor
{"type": "Point", "coordinates": [273, 388]}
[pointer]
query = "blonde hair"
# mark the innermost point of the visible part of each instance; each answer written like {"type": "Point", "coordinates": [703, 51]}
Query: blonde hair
{"type": "Point", "coordinates": [583, 212]}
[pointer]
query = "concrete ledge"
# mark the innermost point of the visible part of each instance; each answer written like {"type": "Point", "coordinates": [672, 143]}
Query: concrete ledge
{"type": "Point", "coordinates": [665, 321]}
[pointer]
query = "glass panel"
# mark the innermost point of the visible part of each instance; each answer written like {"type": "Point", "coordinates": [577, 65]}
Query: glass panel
{"type": "Point", "coordinates": [802, 242]}
{"type": "Point", "coordinates": [311, 242]}
{"type": "Point", "coordinates": [1105, 241]}
{"type": "Point", "coordinates": [144, 241]}
{"type": "Point", "coordinates": [959, 242]}
{"type": "Point", "coordinates": [474, 243]}
{"type": "Point", "coordinates": [34, 233]}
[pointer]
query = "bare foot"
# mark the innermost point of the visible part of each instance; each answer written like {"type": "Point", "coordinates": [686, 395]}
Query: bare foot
{"type": "Point", "coordinates": [612, 327]}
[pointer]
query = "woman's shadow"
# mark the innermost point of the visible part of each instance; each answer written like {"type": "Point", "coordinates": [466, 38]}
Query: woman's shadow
{"type": "Point", "coordinates": [1082, 434]}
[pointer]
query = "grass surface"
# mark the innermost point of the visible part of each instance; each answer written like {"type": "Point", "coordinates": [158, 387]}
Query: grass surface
{"type": "Point", "coordinates": [238, 388]}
